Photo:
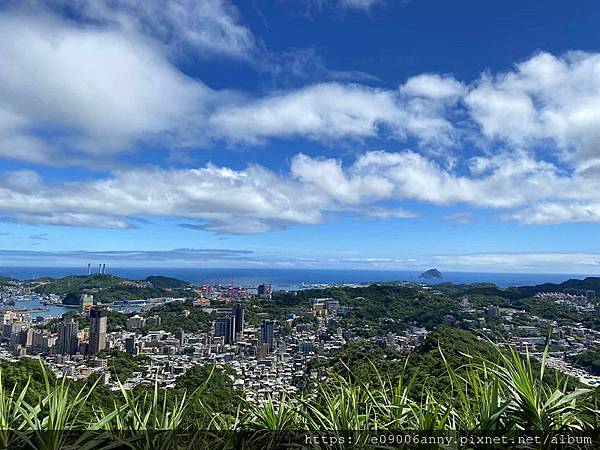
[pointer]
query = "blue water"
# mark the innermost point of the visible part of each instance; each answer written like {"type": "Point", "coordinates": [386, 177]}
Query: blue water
{"type": "Point", "coordinates": [51, 310]}
{"type": "Point", "coordinates": [288, 279]}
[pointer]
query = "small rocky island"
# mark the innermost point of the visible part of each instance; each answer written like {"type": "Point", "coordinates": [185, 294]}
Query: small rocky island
{"type": "Point", "coordinates": [432, 274]}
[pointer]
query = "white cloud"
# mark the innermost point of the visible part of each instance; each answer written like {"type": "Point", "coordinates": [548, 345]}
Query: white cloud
{"type": "Point", "coordinates": [221, 199]}
{"type": "Point", "coordinates": [200, 28]}
{"type": "Point", "coordinates": [74, 92]}
{"type": "Point", "coordinates": [544, 99]}
{"type": "Point", "coordinates": [556, 212]}
{"type": "Point", "coordinates": [328, 111]}
{"type": "Point", "coordinates": [91, 91]}
{"type": "Point", "coordinates": [389, 213]}
{"type": "Point", "coordinates": [433, 86]}
{"type": "Point", "coordinates": [257, 199]}
{"type": "Point", "coordinates": [332, 111]}
{"type": "Point", "coordinates": [525, 262]}
{"type": "Point", "coordinates": [575, 263]}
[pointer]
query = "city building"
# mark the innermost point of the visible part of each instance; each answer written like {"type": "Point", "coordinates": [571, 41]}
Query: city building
{"type": "Point", "coordinates": [238, 313]}
{"type": "Point", "coordinates": [264, 290]}
{"type": "Point", "coordinates": [154, 320]}
{"type": "Point", "coordinates": [225, 327]}
{"type": "Point", "coordinates": [67, 342]}
{"type": "Point", "coordinates": [180, 336]}
{"type": "Point", "coordinates": [131, 344]}
{"type": "Point", "coordinates": [98, 326]}
{"type": "Point", "coordinates": [306, 347]}
{"type": "Point", "coordinates": [586, 293]}
{"type": "Point", "coordinates": [266, 334]}
{"type": "Point", "coordinates": [332, 305]}
{"type": "Point", "coordinates": [40, 342]}
{"type": "Point", "coordinates": [135, 322]}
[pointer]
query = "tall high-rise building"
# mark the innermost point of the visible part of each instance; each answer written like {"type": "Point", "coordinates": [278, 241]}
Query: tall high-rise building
{"type": "Point", "coordinates": [40, 342]}
{"type": "Point", "coordinates": [180, 336]}
{"type": "Point", "coordinates": [238, 313]}
{"type": "Point", "coordinates": [67, 343]}
{"type": "Point", "coordinates": [266, 334]}
{"type": "Point", "coordinates": [225, 327]}
{"type": "Point", "coordinates": [21, 337]}
{"type": "Point", "coordinates": [98, 324]}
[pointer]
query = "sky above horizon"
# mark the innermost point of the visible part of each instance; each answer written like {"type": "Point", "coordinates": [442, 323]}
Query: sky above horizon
{"type": "Point", "coordinates": [364, 134]}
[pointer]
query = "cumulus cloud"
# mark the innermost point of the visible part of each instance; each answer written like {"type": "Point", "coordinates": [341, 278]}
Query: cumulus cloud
{"type": "Point", "coordinates": [93, 91]}
{"type": "Point", "coordinates": [107, 84]}
{"type": "Point", "coordinates": [200, 28]}
{"type": "Point", "coordinates": [102, 79]}
{"type": "Point", "coordinates": [257, 199]}
{"type": "Point", "coordinates": [545, 99]}
{"type": "Point", "coordinates": [252, 200]}
{"type": "Point", "coordinates": [433, 86]}
{"type": "Point", "coordinates": [333, 111]}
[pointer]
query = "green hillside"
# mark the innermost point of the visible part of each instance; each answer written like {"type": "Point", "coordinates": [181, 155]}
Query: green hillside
{"type": "Point", "coordinates": [108, 288]}
{"type": "Point", "coordinates": [518, 292]}
{"type": "Point", "coordinates": [367, 362]}
{"type": "Point", "coordinates": [161, 282]}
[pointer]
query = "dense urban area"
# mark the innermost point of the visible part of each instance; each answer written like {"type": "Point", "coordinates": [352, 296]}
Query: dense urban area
{"type": "Point", "coordinates": [265, 344]}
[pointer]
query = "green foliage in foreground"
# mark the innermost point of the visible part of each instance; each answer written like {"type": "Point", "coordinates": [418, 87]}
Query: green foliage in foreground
{"type": "Point", "coordinates": [507, 394]}
{"type": "Point", "coordinates": [427, 365]}
{"type": "Point", "coordinates": [367, 362]}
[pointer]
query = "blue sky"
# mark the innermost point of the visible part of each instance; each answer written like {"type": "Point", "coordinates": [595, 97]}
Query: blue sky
{"type": "Point", "coordinates": [301, 133]}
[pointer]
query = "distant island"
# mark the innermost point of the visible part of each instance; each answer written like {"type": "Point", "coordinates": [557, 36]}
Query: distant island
{"type": "Point", "coordinates": [432, 274]}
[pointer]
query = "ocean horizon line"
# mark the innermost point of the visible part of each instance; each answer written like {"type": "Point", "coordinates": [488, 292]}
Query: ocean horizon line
{"type": "Point", "coordinates": [291, 279]}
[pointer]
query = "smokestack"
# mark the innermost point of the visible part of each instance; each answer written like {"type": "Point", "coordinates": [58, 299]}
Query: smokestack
{"type": "Point", "coordinates": [103, 269]}
{"type": "Point", "coordinates": [89, 269]}
{"type": "Point", "coordinates": [99, 268]}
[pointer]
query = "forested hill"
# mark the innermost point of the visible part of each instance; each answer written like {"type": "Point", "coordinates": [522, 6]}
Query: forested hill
{"type": "Point", "coordinates": [167, 282]}
{"type": "Point", "coordinates": [520, 292]}
{"type": "Point", "coordinates": [108, 288]}
{"type": "Point", "coordinates": [592, 283]}
{"type": "Point", "coordinates": [426, 367]}
{"type": "Point", "coordinates": [6, 280]}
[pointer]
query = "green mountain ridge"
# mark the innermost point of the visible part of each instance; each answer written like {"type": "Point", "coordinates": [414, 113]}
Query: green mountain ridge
{"type": "Point", "coordinates": [108, 288]}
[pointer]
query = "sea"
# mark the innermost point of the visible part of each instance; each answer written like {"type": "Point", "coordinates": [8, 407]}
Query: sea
{"type": "Point", "coordinates": [293, 279]}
